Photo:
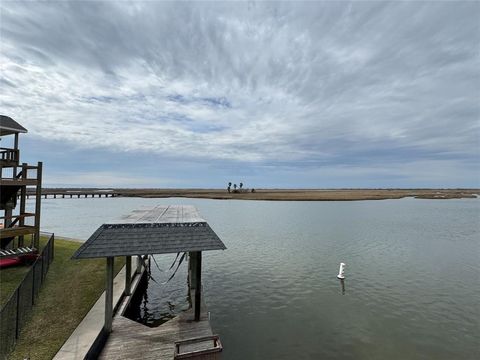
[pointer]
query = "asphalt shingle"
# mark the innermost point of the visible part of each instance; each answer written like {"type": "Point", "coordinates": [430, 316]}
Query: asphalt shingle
{"type": "Point", "coordinates": [148, 234]}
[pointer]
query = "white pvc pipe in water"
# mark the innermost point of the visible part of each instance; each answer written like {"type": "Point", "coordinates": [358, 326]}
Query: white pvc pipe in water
{"type": "Point", "coordinates": [341, 271]}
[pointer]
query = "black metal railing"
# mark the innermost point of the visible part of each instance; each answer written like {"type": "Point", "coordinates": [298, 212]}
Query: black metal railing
{"type": "Point", "coordinates": [16, 309]}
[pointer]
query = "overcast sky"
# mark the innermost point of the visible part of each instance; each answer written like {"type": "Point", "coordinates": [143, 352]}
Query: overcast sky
{"type": "Point", "coordinates": [290, 94]}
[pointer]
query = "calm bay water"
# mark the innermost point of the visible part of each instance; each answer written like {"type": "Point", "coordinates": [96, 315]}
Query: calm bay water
{"type": "Point", "coordinates": [412, 288]}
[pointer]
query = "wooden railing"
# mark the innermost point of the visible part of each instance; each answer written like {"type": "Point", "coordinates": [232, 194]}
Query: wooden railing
{"type": "Point", "coordinates": [7, 154]}
{"type": "Point", "coordinates": [16, 217]}
{"type": "Point", "coordinates": [23, 174]}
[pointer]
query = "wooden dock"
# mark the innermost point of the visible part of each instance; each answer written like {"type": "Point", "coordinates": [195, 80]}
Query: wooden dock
{"type": "Point", "coordinates": [158, 230]}
{"type": "Point", "coordinates": [65, 193]}
{"type": "Point", "coordinates": [132, 340]}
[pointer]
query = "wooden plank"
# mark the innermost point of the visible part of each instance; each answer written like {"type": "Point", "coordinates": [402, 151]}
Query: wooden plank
{"type": "Point", "coordinates": [18, 182]}
{"type": "Point", "coordinates": [16, 231]}
{"type": "Point", "coordinates": [17, 216]}
{"type": "Point", "coordinates": [132, 340]}
{"type": "Point", "coordinates": [172, 214]}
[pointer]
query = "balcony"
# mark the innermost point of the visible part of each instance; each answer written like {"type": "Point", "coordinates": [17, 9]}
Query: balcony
{"type": "Point", "coordinates": [9, 157]}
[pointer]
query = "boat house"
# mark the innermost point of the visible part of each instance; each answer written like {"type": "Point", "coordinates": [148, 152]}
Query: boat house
{"type": "Point", "coordinates": [154, 231]}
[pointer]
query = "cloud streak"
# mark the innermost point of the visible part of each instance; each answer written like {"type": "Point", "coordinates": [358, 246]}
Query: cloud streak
{"type": "Point", "coordinates": [300, 85]}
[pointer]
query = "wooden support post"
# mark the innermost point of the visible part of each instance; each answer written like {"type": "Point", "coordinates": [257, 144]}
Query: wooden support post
{"type": "Point", "coordinates": [38, 205]}
{"type": "Point", "coordinates": [192, 261]}
{"type": "Point", "coordinates": [109, 296]}
{"type": "Point", "coordinates": [128, 275]}
{"type": "Point", "coordinates": [8, 217]}
{"type": "Point", "coordinates": [23, 202]}
{"type": "Point", "coordinates": [189, 272]}
{"type": "Point", "coordinates": [17, 155]}
{"type": "Point", "coordinates": [139, 264]}
{"type": "Point", "coordinates": [198, 286]}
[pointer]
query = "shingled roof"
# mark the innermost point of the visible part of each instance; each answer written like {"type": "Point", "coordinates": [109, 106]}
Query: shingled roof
{"type": "Point", "coordinates": [158, 230]}
{"type": "Point", "coordinates": [9, 126]}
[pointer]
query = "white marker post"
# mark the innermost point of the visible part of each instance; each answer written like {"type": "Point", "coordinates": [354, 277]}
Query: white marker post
{"type": "Point", "coordinates": [341, 271]}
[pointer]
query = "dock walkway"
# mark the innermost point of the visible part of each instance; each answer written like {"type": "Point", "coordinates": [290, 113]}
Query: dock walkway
{"type": "Point", "coordinates": [81, 340]}
{"type": "Point", "coordinates": [132, 340]}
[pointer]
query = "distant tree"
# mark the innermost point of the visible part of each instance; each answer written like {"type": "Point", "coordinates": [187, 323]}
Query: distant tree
{"type": "Point", "coordinates": [241, 185]}
{"type": "Point", "coordinates": [229, 186]}
{"type": "Point", "coordinates": [234, 187]}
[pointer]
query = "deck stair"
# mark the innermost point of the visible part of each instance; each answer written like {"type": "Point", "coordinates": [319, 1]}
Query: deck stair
{"type": "Point", "coordinates": [17, 252]}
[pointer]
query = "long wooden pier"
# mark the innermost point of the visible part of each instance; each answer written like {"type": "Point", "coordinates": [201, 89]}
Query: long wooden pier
{"type": "Point", "coordinates": [63, 194]}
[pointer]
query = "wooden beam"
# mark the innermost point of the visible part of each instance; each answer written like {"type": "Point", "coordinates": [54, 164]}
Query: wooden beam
{"type": "Point", "coordinates": [8, 218]}
{"type": "Point", "coordinates": [17, 155]}
{"type": "Point", "coordinates": [15, 142]}
{"type": "Point", "coordinates": [128, 275]}
{"type": "Point", "coordinates": [18, 182]}
{"type": "Point", "coordinates": [17, 216]}
{"type": "Point", "coordinates": [109, 295]}
{"type": "Point", "coordinates": [139, 264]}
{"type": "Point", "coordinates": [23, 202]}
{"type": "Point", "coordinates": [38, 205]}
{"type": "Point", "coordinates": [17, 231]}
{"type": "Point", "coordinates": [198, 285]}
{"type": "Point", "coordinates": [192, 261]}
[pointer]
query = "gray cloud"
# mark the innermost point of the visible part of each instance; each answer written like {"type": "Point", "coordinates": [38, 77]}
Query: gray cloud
{"type": "Point", "coordinates": [301, 84]}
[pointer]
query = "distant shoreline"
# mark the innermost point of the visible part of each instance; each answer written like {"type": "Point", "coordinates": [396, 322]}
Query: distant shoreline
{"type": "Point", "coordinates": [69, 239]}
{"type": "Point", "coordinates": [279, 194]}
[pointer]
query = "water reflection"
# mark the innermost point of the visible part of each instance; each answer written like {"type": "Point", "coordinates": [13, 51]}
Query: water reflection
{"type": "Point", "coordinates": [156, 299]}
{"type": "Point", "coordinates": [342, 282]}
{"type": "Point", "coordinates": [144, 313]}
